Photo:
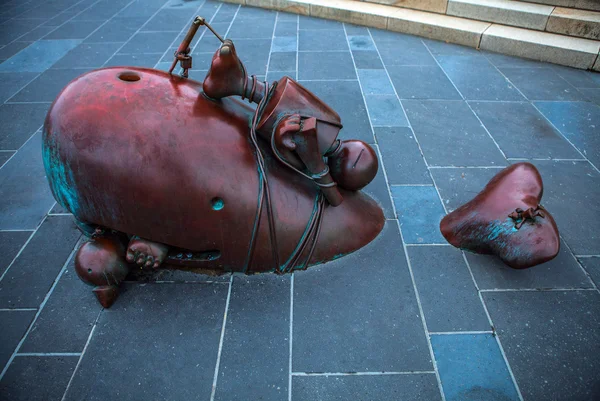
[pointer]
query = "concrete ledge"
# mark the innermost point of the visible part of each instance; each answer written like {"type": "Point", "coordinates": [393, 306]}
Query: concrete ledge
{"type": "Point", "coordinates": [436, 6]}
{"type": "Point", "coordinates": [543, 46]}
{"type": "Point", "coordinates": [581, 4]}
{"type": "Point", "coordinates": [506, 12]}
{"type": "Point", "coordinates": [567, 21]}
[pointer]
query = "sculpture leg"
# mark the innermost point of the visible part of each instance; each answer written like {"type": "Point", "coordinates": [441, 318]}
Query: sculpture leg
{"type": "Point", "coordinates": [101, 262]}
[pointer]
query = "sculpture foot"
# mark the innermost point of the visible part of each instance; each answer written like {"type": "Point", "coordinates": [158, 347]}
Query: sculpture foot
{"type": "Point", "coordinates": [101, 263]}
{"type": "Point", "coordinates": [227, 74]}
{"type": "Point", "coordinates": [145, 253]}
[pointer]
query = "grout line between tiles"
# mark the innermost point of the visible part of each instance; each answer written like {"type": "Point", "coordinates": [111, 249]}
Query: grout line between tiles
{"type": "Point", "coordinates": [317, 374]}
{"type": "Point", "coordinates": [26, 354]}
{"type": "Point", "coordinates": [291, 336]}
{"type": "Point", "coordinates": [218, 363]}
{"type": "Point", "coordinates": [450, 333]}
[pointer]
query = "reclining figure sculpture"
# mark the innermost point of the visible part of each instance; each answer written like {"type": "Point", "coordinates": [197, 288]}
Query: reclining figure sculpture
{"type": "Point", "coordinates": [160, 170]}
{"type": "Point", "coordinates": [507, 220]}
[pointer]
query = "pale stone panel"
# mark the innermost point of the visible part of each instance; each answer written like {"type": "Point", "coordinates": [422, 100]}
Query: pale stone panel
{"type": "Point", "coordinates": [360, 13]}
{"type": "Point", "coordinates": [507, 12]}
{"type": "Point", "coordinates": [583, 4]}
{"type": "Point", "coordinates": [567, 21]}
{"type": "Point", "coordinates": [436, 6]}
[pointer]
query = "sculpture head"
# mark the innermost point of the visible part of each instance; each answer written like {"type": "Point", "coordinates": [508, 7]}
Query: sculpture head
{"type": "Point", "coordinates": [353, 164]}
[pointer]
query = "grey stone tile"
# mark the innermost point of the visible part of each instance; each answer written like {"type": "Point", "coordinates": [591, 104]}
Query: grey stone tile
{"type": "Point", "coordinates": [458, 186]}
{"type": "Point", "coordinates": [67, 318]}
{"type": "Point", "coordinates": [171, 20]}
{"type": "Point", "coordinates": [74, 30]}
{"type": "Point", "coordinates": [283, 16]}
{"type": "Point", "coordinates": [318, 23]}
{"type": "Point", "coordinates": [522, 132]}
{"type": "Point", "coordinates": [13, 29]}
{"type": "Point", "coordinates": [561, 272]}
{"type": "Point", "coordinates": [413, 51]}
{"type": "Point", "coordinates": [254, 53]}
{"type": "Point", "coordinates": [577, 78]}
{"type": "Point", "coordinates": [26, 196]}
{"type": "Point", "coordinates": [385, 111]}
{"type": "Point", "coordinates": [541, 84]}
{"type": "Point", "coordinates": [286, 28]}
{"type": "Point", "coordinates": [592, 266]}
{"type": "Point", "coordinates": [360, 42]}
{"type": "Point", "coordinates": [502, 60]}
{"type": "Point", "coordinates": [36, 34]}
{"type": "Point", "coordinates": [419, 211]}
{"type": "Point", "coordinates": [15, 130]}
{"type": "Point", "coordinates": [116, 30]}
{"type": "Point", "coordinates": [352, 29]}
{"type": "Point", "coordinates": [246, 13]}
{"type": "Point", "coordinates": [449, 49]}
{"type": "Point", "coordinates": [378, 190]}
{"type": "Point", "coordinates": [11, 243]}
{"type": "Point", "coordinates": [255, 357]}
{"type": "Point", "coordinates": [345, 98]}
{"type": "Point", "coordinates": [284, 44]}
{"type": "Point", "coordinates": [29, 279]}
{"type": "Point", "coordinates": [148, 42]}
{"type": "Point", "coordinates": [58, 209]}
{"type": "Point", "coordinates": [61, 18]}
{"type": "Point", "coordinates": [5, 156]}
{"type": "Point", "coordinates": [477, 79]}
{"type": "Point", "coordinates": [366, 59]}
{"type": "Point", "coordinates": [359, 313]}
{"type": "Point", "coordinates": [180, 324]}
{"type": "Point", "coordinates": [579, 122]}
{"type": "Point", "coordinates": [101, 10]}
{"type": "Point", "coordinates": [284, 61]}
{"type": "Point", "coordinates": [173, 276]}
{"type": "Point", "coordinates": [442, 278]}
{"type": "Point", "coordinates": [140, 8]}
{"type": "Point", "coordinates": [422, 82]}
{"type": "Point", "coordinates": [551, 341]}
{"type": "Point", "coordinates": [37, 378]}
{"type": "Point", "coordinates": [451, 135]}
{"type": "Point", "coordinates": [403, 161]}
{"type": "Point", "coordinates": [320, 65]}
{"type": "Point", "coordinates": [86, 55]}
{"type": "Point", "coordinates": [47, 86]}
{"type": "Point", "coordinates": [591, 95]}
{"type": "Point", "coordinates": [38, 56]}
{"type": "Point", "coordinates": [14, 327]}
{"type": "Point", "coordinates": [134, 60]}
{"type": "Point", "coordinates": [572, 186]}
{"type": "Point", "coordinates": [375, 82]}
{"type": "Point", "coordinates": [12, 49]}
{"type": "Point", "coordinates": [12, 82]}
{"type": "Point", "coordinates": [273, 76]}
{"type": "Point", "coordinates": [413, 387]}
{"type": "Point", "coordinates": [260, 29]}
{"type": "Point", "coordinates": [322, 40]}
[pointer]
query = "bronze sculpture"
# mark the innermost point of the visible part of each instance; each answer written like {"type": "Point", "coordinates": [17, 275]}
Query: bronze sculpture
{"type": "Point", "coordinates": [507, 220]}
{"type": "Point", "coordinates": [163, 170]}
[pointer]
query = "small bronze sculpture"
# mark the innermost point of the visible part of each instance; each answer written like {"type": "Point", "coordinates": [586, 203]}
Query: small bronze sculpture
{"type": "Point", "coordinates": [163, 170]}
{"type": "Point", "coordinates": [507, 220]}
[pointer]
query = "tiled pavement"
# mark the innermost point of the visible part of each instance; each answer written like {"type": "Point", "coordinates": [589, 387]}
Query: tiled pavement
{"type": "Point", "coordinates": [406, 318]}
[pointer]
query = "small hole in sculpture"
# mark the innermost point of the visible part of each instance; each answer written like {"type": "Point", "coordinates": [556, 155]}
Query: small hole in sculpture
{"type": "Point", "coordinates": [217, 203]}
{"type": "Point", "coordinates": [90, 271]}
{"type": "Point", "coordinates": [129, 76]}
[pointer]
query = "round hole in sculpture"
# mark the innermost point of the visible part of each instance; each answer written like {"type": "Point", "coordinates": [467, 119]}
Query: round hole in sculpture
{"type": "Point", "coordinates": [90, 271]}
{"type": "Point", "coordinates": [129, 76]}
{"type": "Point", "coordinates": [217, 203]}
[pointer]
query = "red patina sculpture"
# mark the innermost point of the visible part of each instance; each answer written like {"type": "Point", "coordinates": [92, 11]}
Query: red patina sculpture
{"type": "Point", "coordinates": [506, 219]}
{"type": "Point", "coordinates": [161, 170]}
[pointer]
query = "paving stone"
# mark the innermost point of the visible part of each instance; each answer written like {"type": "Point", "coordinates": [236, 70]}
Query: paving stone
{"type": "Point", "coordinates": [378, 190]}
{"type": "Point", "coordinates": [561, 272]}
{"type": "Point", "coordinates": [541, 84]}
{"type": "Point", "coordinates": [15, 130]}
{"type": "Point", "coordinates": [58, 209]}
{"type": "Point", "coordinates": [12, 49]}
{"type": "Point", "coordinates": [134, 60]}
{"type": "Point", "coordinates": [319, 65]}
{"type": "Point", "coordinates": [255, 53]}
{"type": "Point", "coordinates": [255, 357]}
{"type": "Point", "coordinates": [443, 278]}
{"type": "Point", "coordinates": [65, 322]}
{"type": "Point", "coordinates": [13, 29]}
{"type": "Point", "coordinates": [209, 43]}
{"type": "Point", "coordinates": [286, 28]}
{"type": "Point", "coordinates": [47, 86]}
{"type": "Point", "coordinates": [39, 56]}
{"type": "Point", "coordinates": [61, 18]}
{"type": "Point", "coordinates": [422, 82]}
{"type": "Point", "coordinates": [74, 30]}
{"type": "Point", "coordinates": [116, 30]}
{"type": "Point", "coordinates": [367, 320]}
{"type": "Point", "coordinates": [14, 327]}
{"type": "Point", "coordinates": [174, 276]}
{"type": "Point", "coordinates": [572, 186]}
{"type": "Point", "coordinates": [516, 126]}
{"type": "Point", "coordinates": [419, 212]}
{"type": "Point", "coordinates": [477, 79]}
{"type": "Point", "coordinates": [404, 163]}
{"type": "Point", "coordinates": [360, 42]}
{"type": "Point", "coordinates": [352, 29]}
{"type": "Point", "coordinates": [438, 48]}
{"type": "Point", "coordinates": [451, 135]}
{"type": "Point", "coordinates": [101, 10]}
{"type": "Point", "coordinates": [284, 44]}
{"type": "Point", "coordinates": [577, 78]}
{"type": "Point", "coordinates": [273, 76]}
{"type": "Point", "coordinates": [385, 111]}
{"type": "Point", "coordinates": [502, 60]}
{"type": "Point", "coordinates": [261, 29]}
{"type": "Point", "coordinates": [88, 55]}
{"type": "Point", "coordinates": [284, 61]}
{"type": "Point", "coordinates": [37, 378]}
{"type": "Point", "coordinates": [551, 341]}
{"type": "Point", "coordinates": [458, 186]}
{"type": "Point", "coordinates": [11, 243]}
{"type": "Point", "coordinates": [414, 52]}
{"type": "Point", "coordinates": [591, 95]}
{"type": "Point", "coordinates": [375, 82]}
{"type": "Point", "coordinates": [37, 34]}
{"type": "Point", "coordinates": [366, 59]}
{"type": "Point", "coordinates": [471, 367]}
{"type": "Point", "coordinates": [592, 266]}
{"type": "Point", "coordinates": [181, 325]}
{"type": "Point", "coordinates": [248, 13]}
{"type": "Point", "coordinates": [38, 265]}
{"type": "Point", "coordinates": [5, 155]}
{"type": "Point", "coordinates": [318, 23]}
{"type": "Point", "coordinates": [140, 8]}
{"type": "Point", "coordinates": [410, 387]}
{"type": "Point", "coordinates": [26, 196]}
{"type": "Point", "coordinates": [148, 42]}
{"type": "Point", "coordinates": [578, 122]}
{"type": "Point", "coordinates": [172, 20]}
{"type": "Point", "coordinates": [322, 40]}
{"type": "Point", "coordinates": [12, 82]}
{"type": "Point", "coordinates": [344, 97]}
